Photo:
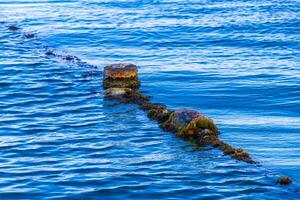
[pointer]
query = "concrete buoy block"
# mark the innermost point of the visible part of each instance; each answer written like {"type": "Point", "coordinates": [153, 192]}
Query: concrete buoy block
{"type": "Point", "coordinates": [121, 75]}
{"type": "Point", "coordinates": [121, 70]}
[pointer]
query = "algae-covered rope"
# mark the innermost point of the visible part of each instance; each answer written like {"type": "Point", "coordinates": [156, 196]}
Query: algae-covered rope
{"type": "Point", "coordinates": [121, 81]}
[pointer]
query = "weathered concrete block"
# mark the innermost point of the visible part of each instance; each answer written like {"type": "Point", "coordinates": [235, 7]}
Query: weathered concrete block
{"type": "Point", "coordinates": [121, 76]}
{"type": "Point", "coordinates": [121, 70]}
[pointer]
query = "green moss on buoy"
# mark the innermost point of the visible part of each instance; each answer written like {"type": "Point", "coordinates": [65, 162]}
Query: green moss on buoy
{"type": "Point", "coordinates": [160, 114]}
{"type": "Point", "coordinates": [132, 82]}
{"type": "Point", "coordinates": [201, 123]}
{"type": "Point", "coordinates": [188, 122]}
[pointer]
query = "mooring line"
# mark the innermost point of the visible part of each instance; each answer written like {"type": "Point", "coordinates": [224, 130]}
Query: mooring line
{"type": "Point", "coordinates": [120, 81]}
{"type": "Point", "coordinates": [50, 52]}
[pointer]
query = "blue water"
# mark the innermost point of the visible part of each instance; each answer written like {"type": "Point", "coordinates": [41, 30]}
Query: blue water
{"type": "Point", "coordinates": [236, 61]}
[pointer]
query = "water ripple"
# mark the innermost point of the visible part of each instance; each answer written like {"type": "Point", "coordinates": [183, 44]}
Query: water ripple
{"type": "Point", "coordinates": [236, 61]}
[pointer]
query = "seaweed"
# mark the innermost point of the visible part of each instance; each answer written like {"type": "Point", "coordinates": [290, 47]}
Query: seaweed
{"type": "Point", "coordinates": [160, 114]}
{"type": "Point", "coordinates": [284, 181]}
{"type": "Point", "coordinates": [13, 28]}
{"type": "Point", "coordinates": [71, 58]}
{"type": "Point", "coordinates": [49, 53]}
{"type": "Point", "coordinates": [147, 106]}
{"type": "Point", "coordinates": [29, 35]}
{"type": "Point", "coordinates": [168, 125]}
{"type": "Point", "coordinates": [236, 153]}
{"type": "Point", "coordinates": [201, 123]}
{"type": "Point", "coordinates": [132, 82]}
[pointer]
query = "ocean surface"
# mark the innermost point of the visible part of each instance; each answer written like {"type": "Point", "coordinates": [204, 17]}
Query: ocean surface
{"type": "Point", "coordinates": [236, 61]}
